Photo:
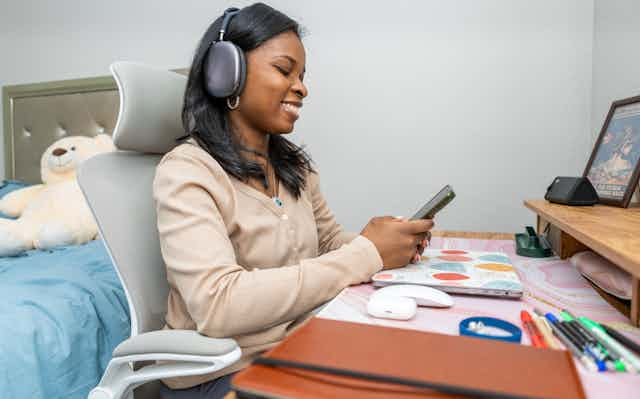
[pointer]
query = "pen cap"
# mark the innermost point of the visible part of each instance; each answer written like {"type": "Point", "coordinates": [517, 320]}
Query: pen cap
{"type": "Point", "coordinates": [566, 316]}
{"type": "Point", "coordinates": [525, 316]}
{"type": "Point", "coordinates": [590, 324]}
{"type": "Point", "coordinates": [551, 317]}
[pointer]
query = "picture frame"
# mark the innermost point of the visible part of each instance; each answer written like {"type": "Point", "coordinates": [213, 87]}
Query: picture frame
{"type": "Point", "coordinates": [614, 165]}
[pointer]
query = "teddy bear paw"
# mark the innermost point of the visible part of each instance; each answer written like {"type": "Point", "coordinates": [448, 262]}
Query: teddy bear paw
{"type": "Point", "coordinates": [11, 244]}
{"type": "Point", "coordinates": [8, 208]}
{"type": "Point", "coordinates": [53, 235]}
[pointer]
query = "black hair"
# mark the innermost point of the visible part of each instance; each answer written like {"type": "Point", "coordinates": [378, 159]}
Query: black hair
{"type": "Point", "coordinates": [206, 118]}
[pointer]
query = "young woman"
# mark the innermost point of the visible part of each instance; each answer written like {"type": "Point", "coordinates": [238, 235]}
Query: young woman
{"type": "Point", "coordinates": [250, 244]}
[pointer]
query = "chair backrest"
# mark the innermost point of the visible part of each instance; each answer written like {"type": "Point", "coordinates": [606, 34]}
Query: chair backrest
{"type": "Point", "coordinates": [118, 186]}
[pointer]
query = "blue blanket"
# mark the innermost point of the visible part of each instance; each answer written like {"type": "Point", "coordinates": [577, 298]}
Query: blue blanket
{"type": "Point", "coordinates": [62, 312]}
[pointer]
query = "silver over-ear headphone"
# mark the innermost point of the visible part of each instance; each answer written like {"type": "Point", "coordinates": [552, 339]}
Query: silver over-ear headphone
{"type": "Point", "coordinates": [225, 68]}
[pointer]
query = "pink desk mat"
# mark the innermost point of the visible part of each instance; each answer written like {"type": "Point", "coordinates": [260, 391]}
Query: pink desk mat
{"type": "Point", "coordinates": [550, 284]}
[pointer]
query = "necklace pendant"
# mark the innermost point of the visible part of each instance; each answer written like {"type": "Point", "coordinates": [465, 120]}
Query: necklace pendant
{"type": "Point", "coordinates": [277, 201]}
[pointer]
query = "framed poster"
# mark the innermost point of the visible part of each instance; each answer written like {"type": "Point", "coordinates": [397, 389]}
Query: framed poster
{"type": "Point", "coordinates": [614, 165]}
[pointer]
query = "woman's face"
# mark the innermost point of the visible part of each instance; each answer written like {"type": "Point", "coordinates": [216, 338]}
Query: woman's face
{"type": "Point", "coordinates": [272, 97]}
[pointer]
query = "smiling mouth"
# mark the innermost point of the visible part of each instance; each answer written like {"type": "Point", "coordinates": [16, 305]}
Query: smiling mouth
{"type": "Point", "coordinates": [292, 108]}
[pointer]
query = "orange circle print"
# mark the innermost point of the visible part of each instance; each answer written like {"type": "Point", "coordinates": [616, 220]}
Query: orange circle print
{"type": "Point", "coordinates": [495, 267]}
{"type": "Point", "coordinates": [453, 252]}
{"type": "Point", "coordinates": [455, 258]}
{"type": "Point", "coordinates": [450, 276]}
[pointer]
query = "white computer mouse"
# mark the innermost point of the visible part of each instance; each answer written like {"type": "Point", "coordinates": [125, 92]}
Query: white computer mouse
{"type": "Point", "coordinates": [423, 295]}
{"type": "Point", "coordinates": [391, 307]}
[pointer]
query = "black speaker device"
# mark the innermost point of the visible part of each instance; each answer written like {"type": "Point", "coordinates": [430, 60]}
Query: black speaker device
{"type": "Point", "coordinates": [571, 191]}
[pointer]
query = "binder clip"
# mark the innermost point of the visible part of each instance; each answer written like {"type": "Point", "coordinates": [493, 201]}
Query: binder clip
{"type": "Point", "coordinates": [532, 245]}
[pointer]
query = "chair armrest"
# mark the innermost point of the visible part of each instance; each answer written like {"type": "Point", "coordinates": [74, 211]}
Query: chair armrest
{"type": "Point", "coordinates": [179, 342]}
{"type": "Point", "coordinates": [183, 352]}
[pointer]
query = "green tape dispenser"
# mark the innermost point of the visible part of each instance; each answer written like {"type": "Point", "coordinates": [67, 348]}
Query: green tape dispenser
{"type": "Point", "coordinates": [531, 245]}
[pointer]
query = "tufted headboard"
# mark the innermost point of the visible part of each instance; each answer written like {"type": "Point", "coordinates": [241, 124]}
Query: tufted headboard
{"type": "Point", "coordinates": [36, 115]}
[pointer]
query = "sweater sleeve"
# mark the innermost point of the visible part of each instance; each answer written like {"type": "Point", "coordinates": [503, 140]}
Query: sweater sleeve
{"type": "Point", "coordinates": [224, 298]}
{"type": "Point", "coordinates": [331, 235]}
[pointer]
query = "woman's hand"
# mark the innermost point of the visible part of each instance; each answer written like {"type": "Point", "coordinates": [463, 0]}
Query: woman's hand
{"type": "Point", "coordinates": [398, 241]}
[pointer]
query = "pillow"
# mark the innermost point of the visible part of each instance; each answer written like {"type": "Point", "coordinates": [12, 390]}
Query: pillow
{"type": "Point", "coordinates": [8, 186]}
{"type": "Point", "coordinates": [603, 273]}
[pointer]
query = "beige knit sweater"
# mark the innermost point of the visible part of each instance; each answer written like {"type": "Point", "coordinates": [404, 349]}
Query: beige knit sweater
{"type": "Point", "coordinates": [239, 265]}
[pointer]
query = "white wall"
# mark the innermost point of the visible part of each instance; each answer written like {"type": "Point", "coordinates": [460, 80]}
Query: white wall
{"type": "Point", "coordinates": [616, 59]}
{"type": "Point", "coordinates": [492, 97]}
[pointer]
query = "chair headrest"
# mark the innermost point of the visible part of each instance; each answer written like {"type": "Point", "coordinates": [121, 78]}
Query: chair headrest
{"type": "Point", "coordinates": [151, 98]}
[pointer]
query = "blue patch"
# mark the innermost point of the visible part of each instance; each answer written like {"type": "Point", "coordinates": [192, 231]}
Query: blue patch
{"type": "Point", "coordinates": [495, 258]}
{"type": "Point", "coordinates": [450, 267]}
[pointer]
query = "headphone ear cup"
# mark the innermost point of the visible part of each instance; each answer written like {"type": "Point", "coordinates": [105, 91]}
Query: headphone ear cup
{"type": "Point", "coordinates": [243, 72]}
{"type": "Point", "coordinates": [224, 69]}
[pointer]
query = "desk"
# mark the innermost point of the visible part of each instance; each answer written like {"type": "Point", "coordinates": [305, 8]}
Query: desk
{"type": "Point", "coordinates": [612, 232]}
{"type": "Point", "coordinates": [550, 284]}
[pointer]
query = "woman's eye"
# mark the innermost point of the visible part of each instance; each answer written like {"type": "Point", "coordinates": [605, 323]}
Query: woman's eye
{"type": "Point", "coordinates": [282, 70]}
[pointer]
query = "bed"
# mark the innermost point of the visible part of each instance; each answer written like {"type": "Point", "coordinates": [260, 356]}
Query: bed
{"type": "Point", "coordinates": [63, 311]}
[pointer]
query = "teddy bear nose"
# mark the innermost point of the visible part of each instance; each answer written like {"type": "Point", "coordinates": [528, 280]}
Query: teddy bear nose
{"type": "Point", "coordinates": [59, 151]}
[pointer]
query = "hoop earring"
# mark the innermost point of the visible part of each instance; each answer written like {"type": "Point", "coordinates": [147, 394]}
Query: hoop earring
{"type": "Point", "coordinates": [235, 104]}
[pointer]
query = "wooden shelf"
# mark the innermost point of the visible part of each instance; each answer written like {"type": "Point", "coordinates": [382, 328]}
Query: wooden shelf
{"type": "Point", "coordinates": [612, 232]}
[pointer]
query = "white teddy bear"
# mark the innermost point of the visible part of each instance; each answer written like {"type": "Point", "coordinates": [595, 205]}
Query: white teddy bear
{"type": "Point", "coordinates": [54, 213]}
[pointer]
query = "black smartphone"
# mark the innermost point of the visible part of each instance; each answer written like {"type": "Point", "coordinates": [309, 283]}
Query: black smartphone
{"type": "Point", "coordinates": [439, 201]}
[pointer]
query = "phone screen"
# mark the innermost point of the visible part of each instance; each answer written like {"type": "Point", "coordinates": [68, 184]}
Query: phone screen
{"type": "Point", "coordinates": [439, 201]}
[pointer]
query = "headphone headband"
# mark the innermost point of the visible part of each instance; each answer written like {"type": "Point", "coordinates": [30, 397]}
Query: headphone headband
{"type": "Point", "coordinates": [228, 14]}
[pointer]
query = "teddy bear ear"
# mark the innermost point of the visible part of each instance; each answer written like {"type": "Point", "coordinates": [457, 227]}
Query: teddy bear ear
{"type": "Point", "coordinates": [105, 142]}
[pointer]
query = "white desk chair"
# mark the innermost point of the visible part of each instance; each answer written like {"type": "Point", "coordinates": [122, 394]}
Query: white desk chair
{"type": "Point", "coordinates": [118, 188]}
